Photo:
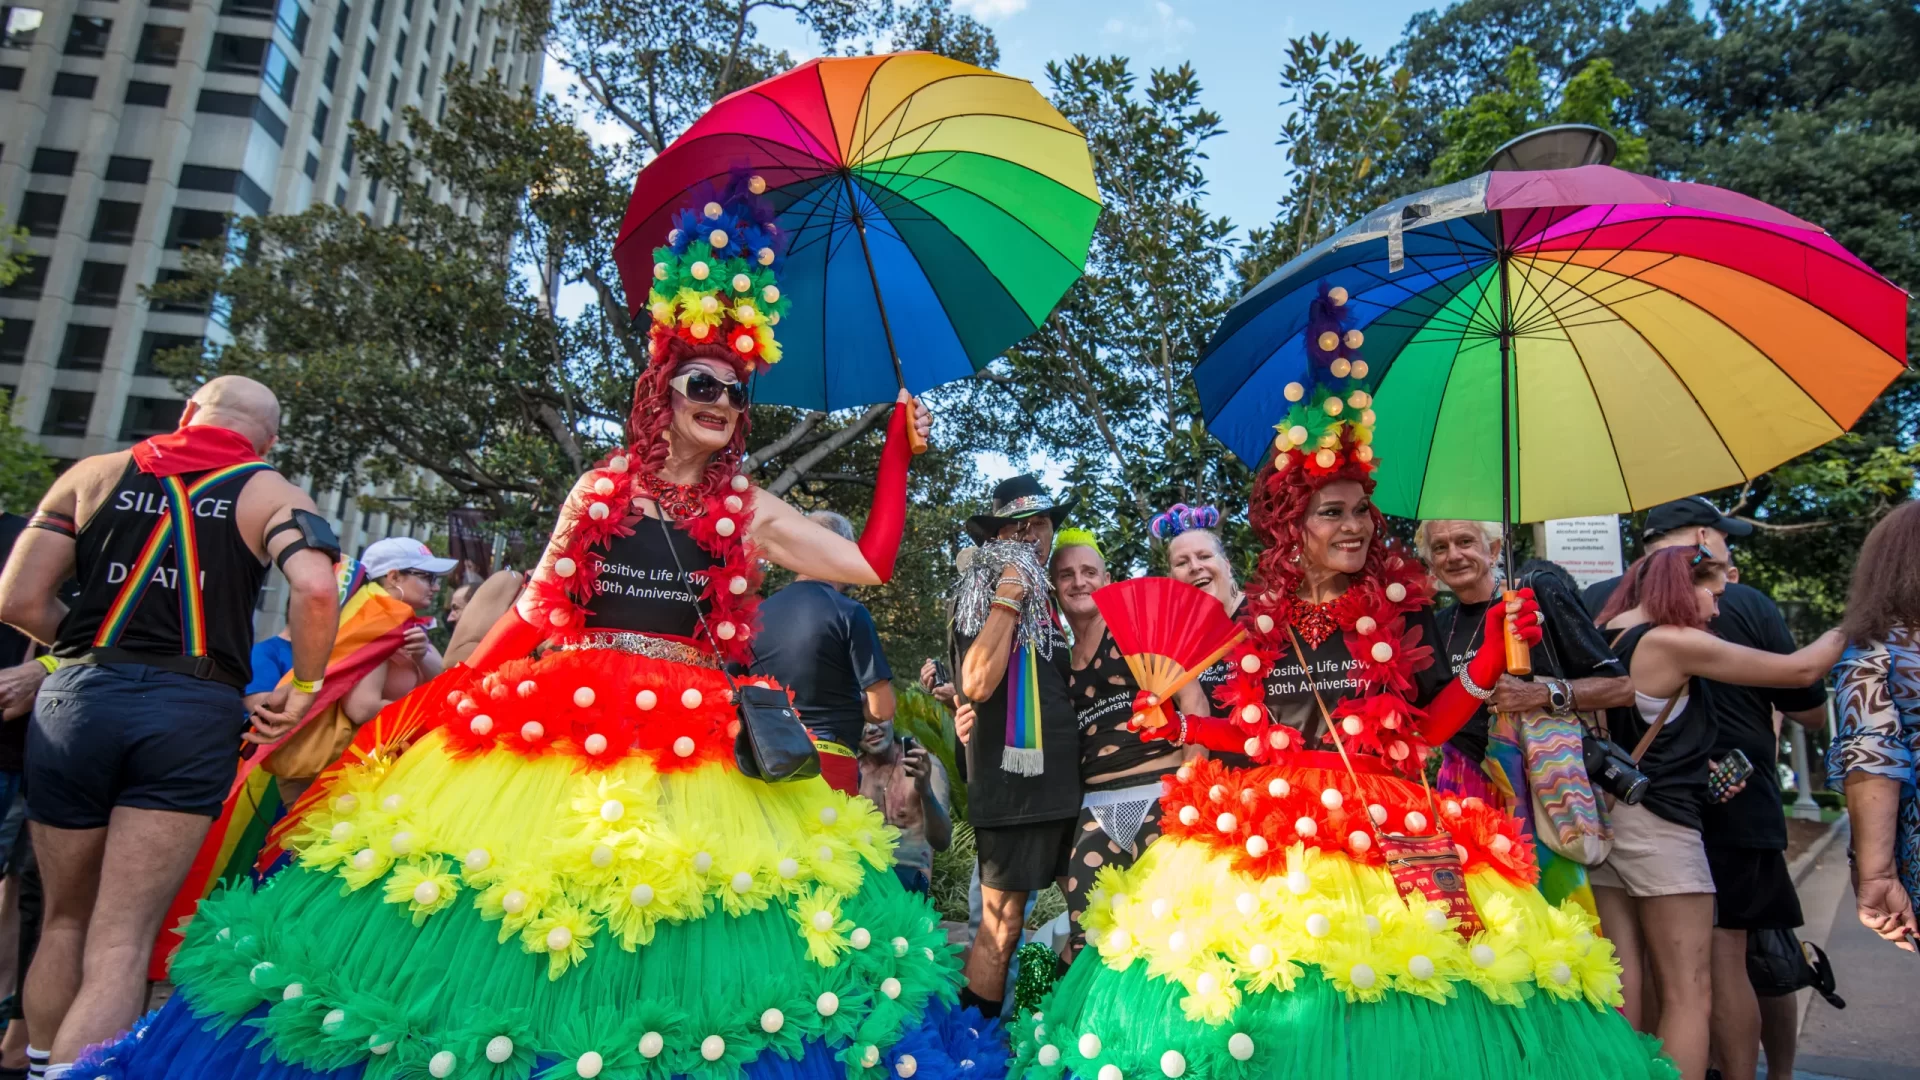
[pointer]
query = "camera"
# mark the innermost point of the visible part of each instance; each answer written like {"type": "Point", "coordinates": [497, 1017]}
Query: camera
{"type": "Point", "coordinates": [1613, 769]}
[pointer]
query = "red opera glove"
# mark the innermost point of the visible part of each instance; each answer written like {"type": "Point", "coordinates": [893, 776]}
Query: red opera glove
{"type": "Point", "coordinates": [510, 638]}
{"type": "Point", "coordinates": [887, 517]}
{"type": "Point", "coordinates": [1450, 711]}
{"type": "Point", "coordinates": [1145, 705]}
{"type": "Point", "coordinates": [1212, 732]}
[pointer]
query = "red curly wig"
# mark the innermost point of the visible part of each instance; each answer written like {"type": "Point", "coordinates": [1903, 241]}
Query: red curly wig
{"type": "Point", "coordinates": [652, 412]}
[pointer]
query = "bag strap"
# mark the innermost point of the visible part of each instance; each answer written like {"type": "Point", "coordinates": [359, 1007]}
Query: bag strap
{"type": "Point", "coordinates": [1339, 744]}
{"type": "Point", "coordinates": [1640, 748]}
{"type": "Point", "coordinates": [699, 615]}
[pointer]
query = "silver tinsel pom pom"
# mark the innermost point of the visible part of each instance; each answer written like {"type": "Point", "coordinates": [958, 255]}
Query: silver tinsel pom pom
{"type": "Point", "coordinates": [973, 593]}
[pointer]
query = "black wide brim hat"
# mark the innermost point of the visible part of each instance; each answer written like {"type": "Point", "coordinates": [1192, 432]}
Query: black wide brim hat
{"type": "Point", "coordinates": [1018, 499]}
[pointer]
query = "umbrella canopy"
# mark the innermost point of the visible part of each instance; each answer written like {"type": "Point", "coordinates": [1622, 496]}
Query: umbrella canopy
{"type": "Point", "coordinates": [977, 196]}
{"type": "Point", "coordinates": [1661, 339]}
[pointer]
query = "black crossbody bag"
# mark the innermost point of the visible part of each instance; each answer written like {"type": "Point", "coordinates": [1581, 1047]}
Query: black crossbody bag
{"type": "Point", "coordinates": [771, 745]}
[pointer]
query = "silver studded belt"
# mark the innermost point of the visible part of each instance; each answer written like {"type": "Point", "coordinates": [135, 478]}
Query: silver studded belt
{"type": "Point", "coordinates": [658, 648]}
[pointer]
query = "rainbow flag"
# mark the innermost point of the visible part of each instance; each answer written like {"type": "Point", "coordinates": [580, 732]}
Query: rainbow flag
{"type": "Point", "coordinates": [1024, 752]}
{"type": "Point", "coordinates": [372, 626]}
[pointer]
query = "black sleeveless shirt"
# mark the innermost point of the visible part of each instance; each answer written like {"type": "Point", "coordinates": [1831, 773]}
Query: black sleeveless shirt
{"type": "Point", "coordinates": [1676, 762]}
{"type": "Point", "coordinates": [640, 589]}
{"type": "Point", "coordinates": [230, 575]}
{"type": "Point", "coordinates": [1102, 695]}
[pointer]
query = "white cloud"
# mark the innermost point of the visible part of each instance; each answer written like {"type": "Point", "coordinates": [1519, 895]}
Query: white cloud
{"type": "Point", "coordinates": [1164, 25]}
{"type": "Point", "coordinates": [991, 10]}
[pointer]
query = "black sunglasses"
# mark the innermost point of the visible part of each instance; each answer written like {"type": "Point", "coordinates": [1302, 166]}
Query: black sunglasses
{"type": "Point", "coordinates": [703, 389]}
{"type": "Point", "coordinates": [427, 576]}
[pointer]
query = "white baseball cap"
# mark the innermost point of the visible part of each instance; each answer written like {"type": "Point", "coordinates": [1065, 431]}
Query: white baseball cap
{"type": "Point", "coordinates": [383, 557]}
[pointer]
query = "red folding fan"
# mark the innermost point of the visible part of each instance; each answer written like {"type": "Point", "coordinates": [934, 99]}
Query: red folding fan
{"type": "Point", "coordinates": [1168, 631]}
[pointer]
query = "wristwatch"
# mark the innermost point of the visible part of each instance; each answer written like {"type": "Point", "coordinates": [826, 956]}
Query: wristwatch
{"type": "Point", "coordinates": [1559, 696]}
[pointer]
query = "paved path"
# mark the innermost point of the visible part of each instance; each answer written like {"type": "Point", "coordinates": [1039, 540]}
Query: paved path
{"type": "Point", "coordinates": [1877, 1036]}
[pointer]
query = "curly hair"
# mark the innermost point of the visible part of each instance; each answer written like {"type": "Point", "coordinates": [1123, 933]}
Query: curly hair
{"type": "Point", "coordinates": [1885, 592]}
{"type": "Point", "coordinates": [652, 412]}
{"type": "Point", "coordinates": [1281, 497]}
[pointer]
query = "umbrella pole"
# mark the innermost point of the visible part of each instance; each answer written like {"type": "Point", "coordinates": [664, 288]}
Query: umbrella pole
{"type": "Point", "coordinates": [1519, 655]}
{"type": "Point", "coordinates": [918, 444]}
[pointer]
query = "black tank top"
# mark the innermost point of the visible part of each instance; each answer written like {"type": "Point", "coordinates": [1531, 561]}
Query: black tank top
{"type": "Point", "coordinates": [230, 574]}
{"type": "Point", "coordinates": [1103, 703]}
{"type": "Point", "coordinates": [1676, 762]}
{"type": "Point", "coordinates": [640, 589]}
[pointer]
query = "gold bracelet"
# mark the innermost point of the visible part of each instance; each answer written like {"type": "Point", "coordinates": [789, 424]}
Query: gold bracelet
{"type": "Point", "coordinates": [51, 663]}
{"type": "Point", "coordinates": [306, 687]}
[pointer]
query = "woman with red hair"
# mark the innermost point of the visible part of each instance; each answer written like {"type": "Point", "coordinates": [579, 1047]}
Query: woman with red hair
{"type": "Point", "coordinates": [575, 863]}
{"type": "Point", "coordinates": [1655, 891]}
{"type": "Point", "coordinates": [1323, 912]}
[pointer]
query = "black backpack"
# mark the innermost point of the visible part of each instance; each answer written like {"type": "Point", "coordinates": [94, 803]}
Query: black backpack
{"type": "Point", "coordinates": [1779, 963]}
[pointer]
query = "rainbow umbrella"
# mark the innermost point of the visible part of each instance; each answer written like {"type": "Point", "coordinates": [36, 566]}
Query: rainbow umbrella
{"type": "Point", "coordinates": [934, 214]}
{"type": "Point", "coordinates": [1582, 341]}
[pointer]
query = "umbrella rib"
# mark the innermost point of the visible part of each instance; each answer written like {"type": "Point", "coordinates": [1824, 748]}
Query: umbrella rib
{"type": "Point", "coordinates": [905, 103]}
{"type": "Point", "coordinates": [1592, 299]}
{"type": "Point", "coordinates": [1581, 246]}
{"type": "Point", "coordinates": [1580, 358]}
{"type": "Point", "coordinates": [1678, 378]}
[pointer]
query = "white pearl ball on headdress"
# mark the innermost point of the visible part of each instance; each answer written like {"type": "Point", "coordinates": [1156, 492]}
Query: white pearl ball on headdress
{"type": "Point", "coordinates": [1295, 391]}
{"type": "Point", "coordinates": [1354, 339]}
{"type": "Point", "coordinates": [1326, 458]}
{"type": "Point", "coordinates": [717, 238]}
{"type": "Point", "coordinates": [713, 209]}
{"type": "Point", "coordinates": [1364, 453]}
{"type": "Point", "coordinates": [660, 271]}
{"type": "Point", "coordinates": [771, 294]}
{"type": "Point", "coordinates": [1396, 592]}
{"type": "Point", "coordinates": [709, 304]}
{"type": "Point", "coordinates": [1359, 369]}
{"type": "Point", "coordinates": [699, 270]}
{"type": "Point", "coordinates": [1337, 296]}
{"type": "Point", "coordinates": [744, 343]}
{"type": "Point", "coordinates": [744, 313]}
{"type": "Point", "coordinates": [766, 256]}
{"type": "Point", "coordinates": [700, 331]}
{"type": "Point", "coordinates": [1297, 435]}
{"type": "Point", "coordinates": [673, 236]}
{"type": "Point", "coordinates": [757, 185]}
{"type": "Point", "coordinates": [1329, 341]}
{"type": "Point", "coordinates": [742, 283]}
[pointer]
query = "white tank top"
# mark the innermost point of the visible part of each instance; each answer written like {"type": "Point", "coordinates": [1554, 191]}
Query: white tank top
{"type": "Point", "coordinates": [1650, 707]}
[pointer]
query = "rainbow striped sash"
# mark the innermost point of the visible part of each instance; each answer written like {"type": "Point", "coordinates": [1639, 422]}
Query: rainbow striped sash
{"type": "Point", "coordinates": [1024, 752]}
{"type": "Point", "coordinates": [173, 532]}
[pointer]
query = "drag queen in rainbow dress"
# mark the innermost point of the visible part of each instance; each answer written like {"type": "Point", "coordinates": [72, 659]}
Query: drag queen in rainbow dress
{"type": "Point", "coordinates": [1324, 913]}
{"type": "Point", "coordinates": [551, 866]}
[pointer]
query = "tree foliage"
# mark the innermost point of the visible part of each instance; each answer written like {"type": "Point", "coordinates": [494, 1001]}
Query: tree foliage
{"type": "Point", "coordinates": [26, 471]}
{"type": "Point", "coordinates": [1493, 117]}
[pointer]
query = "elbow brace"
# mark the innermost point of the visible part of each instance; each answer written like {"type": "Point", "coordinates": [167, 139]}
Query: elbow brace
{"type": "Point", "coordinates": [887, 517]}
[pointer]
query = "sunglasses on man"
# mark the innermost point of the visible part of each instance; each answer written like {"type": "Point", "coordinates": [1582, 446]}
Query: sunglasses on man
{"type": "Point", "coordinates": [703, 389]}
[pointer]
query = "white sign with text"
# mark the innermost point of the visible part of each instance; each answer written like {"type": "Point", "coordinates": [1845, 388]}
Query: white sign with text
{"type": "Point", "coordinates": [1589, 547]}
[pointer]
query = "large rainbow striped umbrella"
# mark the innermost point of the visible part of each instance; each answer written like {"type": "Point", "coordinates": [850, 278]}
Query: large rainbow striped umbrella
{"type": "Point", "coordinates": [1636, 341]}
{"type": "Point", "coordinates": [976, 196]}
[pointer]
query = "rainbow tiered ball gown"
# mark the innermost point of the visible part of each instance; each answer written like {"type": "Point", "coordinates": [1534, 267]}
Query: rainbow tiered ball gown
{"type": "Point", "coordinates": [565, 875]}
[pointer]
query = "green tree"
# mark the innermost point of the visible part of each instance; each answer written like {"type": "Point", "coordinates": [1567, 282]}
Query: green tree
{"type": "Point", "coordinates": [1474, 131]}
{"type": "Point", "coordinates": [1103, 387]}
{"type": "Point", "coordinates": [25, 470]}
{"type": "Point", "coordinates": [1348, 119]}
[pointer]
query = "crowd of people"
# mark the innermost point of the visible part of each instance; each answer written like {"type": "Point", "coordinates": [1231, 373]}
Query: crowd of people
{"type": "Point", "coordinates": [634, 812]}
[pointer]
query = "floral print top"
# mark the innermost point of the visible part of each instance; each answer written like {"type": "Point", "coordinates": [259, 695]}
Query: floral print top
{"type": "Point", "coordinates": [1879, 732]}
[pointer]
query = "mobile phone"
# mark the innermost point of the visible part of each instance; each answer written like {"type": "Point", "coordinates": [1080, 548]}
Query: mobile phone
{"type": "Point", "coordinates": [1727, 773]}
{"type": "Point", "coordinates": [907, 744]}
{"type": "Point", "coordinates": [941, 676]}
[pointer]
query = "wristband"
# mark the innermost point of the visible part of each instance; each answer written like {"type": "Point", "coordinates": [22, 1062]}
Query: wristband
{"type": "Point", "coordinates": [51, 663]}
{"type": "Point", "coordinates": [306, 687]}
{"type": "Point", "coordinates": [1010, 605]}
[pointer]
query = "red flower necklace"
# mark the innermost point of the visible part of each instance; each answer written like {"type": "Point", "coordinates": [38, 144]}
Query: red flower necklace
{"type": "Point", "coordinates": [716, 514]}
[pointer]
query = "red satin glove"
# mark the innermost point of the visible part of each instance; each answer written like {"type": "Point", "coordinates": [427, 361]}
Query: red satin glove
{"type": "Point", "coordinates": [887, 517]}
{"type": "Point", "coordinates": [510, 638]}
{"type": "Point", "coordinates": [1450, 711]}
{"type": "Point", "coordinates": [1212, 732]}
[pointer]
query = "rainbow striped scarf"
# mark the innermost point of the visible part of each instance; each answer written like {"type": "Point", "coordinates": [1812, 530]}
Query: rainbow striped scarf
{"type": "Point", "coordinates": [1024, 752]}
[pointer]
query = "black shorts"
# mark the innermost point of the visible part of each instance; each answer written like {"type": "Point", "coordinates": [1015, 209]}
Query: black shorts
{"type": "Point", "coordinates": [1752, 890]}
{"type": "Point", "coordinates": [1024, 858]}
{"type": "Point", "coordinates": [107, 735]}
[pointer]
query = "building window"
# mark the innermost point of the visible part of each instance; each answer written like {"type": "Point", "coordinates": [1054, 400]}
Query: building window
{"type": "Point", "coordinates": [10, 77]}
{"type": "Point", "coordinates": [73, 84]}
{"type": "Point", "coordinates": [313, 167]}
{"type": "Point", "coordinates": [18, 25]}
{"type": "Point", "coordinates": [147, 416]}
{"type": "Point", "coordinates": [147, 93]}
{"type": "Point", "coordinates": [49, 162]}
{"type": "Point", "coordinates": [115, 222]}
{"type": "Point", "coordinates": [332, 70]}
{"type": "Point", "coordinates": [379, 13]}
{"type": "Point", "coordinates": [360, 104]}
{"type": "Point", "coordinates": [85, 348]}
{"type": "Point", "coordinates": [454, 38]}
{"type": "Point", "coordinates": [87, 35]}
{"type": "Point", "coordinates": [28, 283]}
{"type": "Point", "coordinates": [292, 20]}
{"type": "Point", "coordinates": [67, 412]}
{"type": "Point", "coordinates": [420, 84]}
{"type": "Point", "coordinates": [366, 58]}
{"type": "Point", "coordinates": [40, 212]}
{"type": "Point", "coordinates": [428, 47]}
{"type": "Point", "coordinates": [393, 89]}
{"type": "Point", "coordinates": [159, 45]}
{"type": "Point", "coordinates": [248, 9]}
{"type": "Point", "coordinates": [341, 16]}
{"type": "Point", "coordinates": [192, 227]}
{"type": "Point", "coordinates": [236, 55]}
{"type": "Point", "coordinates": [400, 49]}
{"type": "Point", "coordinates": [280, 73]}
{"type": "Point", "coordinates": [184, 307]}
{"type": "Point", "coordinates": [152, 345]}
{"type": "Point", "coordinates": [320, 114]}
{"type": "Point", "coordinates": [171, 5]}
{"type": "Point", "coordinates": [128, 170]}
{"type": "Point", "coordinates": [406, 10]}
{"type": "Point", "coordinates": [99, 284]}
{"type": "Point", "coordinates": [340, 196]}
{"type": "Point", "coordinates": [14, 335]}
